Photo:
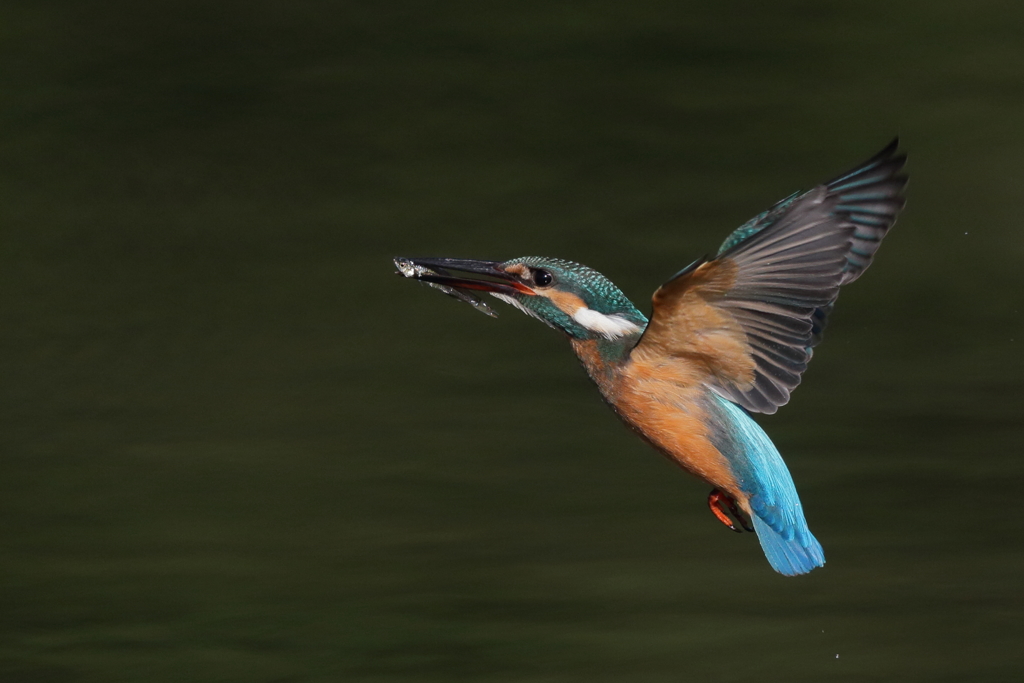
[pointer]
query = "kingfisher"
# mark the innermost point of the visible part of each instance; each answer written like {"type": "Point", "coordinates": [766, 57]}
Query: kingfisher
{"type": "Point", "coordinates": [728, 336]}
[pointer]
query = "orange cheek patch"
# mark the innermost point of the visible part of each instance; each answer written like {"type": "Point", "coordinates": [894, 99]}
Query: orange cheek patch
{"type": "Point", "coordinates": [566, 302]}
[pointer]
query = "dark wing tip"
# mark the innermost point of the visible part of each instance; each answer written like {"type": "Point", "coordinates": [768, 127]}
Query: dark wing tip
{"type": "Point", "coordinates": [870, 197]}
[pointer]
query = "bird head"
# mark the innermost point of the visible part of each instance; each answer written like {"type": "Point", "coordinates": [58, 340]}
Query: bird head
{"type": "Point", "coordinates": [565, 295]}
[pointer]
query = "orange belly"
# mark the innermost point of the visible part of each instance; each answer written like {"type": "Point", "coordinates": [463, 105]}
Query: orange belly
{"type": "Point", "coordinates": [665, 408]}
{"type": "Point", "coordinates": [661, 401]}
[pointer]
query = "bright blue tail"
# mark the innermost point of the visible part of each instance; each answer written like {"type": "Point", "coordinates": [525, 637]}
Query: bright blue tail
{"type": "Point", "coordinates": [778, 515]}
{"type": "Point", "coordinates": [788, 557]}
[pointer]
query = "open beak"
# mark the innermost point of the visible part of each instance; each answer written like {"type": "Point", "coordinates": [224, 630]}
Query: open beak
{"type": "Point", "coordinates": [490, 277]}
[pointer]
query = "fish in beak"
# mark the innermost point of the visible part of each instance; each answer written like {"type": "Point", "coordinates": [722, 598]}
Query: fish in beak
{"type": "Point", "coordinates": [480, 276]}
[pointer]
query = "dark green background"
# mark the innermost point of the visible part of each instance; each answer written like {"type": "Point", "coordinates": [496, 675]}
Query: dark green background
{"type": "Point", "coordinates": [236, 448]}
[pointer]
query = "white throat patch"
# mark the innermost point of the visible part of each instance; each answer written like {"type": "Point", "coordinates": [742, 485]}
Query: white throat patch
{"type": "Point", "coordinates": [608, 326]}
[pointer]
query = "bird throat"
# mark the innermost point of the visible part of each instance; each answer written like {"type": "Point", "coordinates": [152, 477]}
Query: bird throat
{"type": "Point", "coordinates": [601, 358]}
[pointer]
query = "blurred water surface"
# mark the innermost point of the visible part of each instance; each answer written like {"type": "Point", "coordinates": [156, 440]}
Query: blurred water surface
{"type": "Point", "coordinates": [235, 447]}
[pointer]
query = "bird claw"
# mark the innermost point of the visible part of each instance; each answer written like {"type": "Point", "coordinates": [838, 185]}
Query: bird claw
{"type": "Point", "coordinates": [722, 506]}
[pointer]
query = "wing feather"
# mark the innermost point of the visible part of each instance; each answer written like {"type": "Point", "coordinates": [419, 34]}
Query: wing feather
{"type": "Point", "coordinates": [751, 316]}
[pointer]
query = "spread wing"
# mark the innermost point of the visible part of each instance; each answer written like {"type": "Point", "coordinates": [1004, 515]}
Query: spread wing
{"type": "Point", "coordinates": [747, 321]}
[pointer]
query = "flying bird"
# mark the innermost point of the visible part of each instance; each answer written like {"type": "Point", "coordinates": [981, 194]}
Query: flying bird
{"type": "Point", "coordinates": [728, 336]}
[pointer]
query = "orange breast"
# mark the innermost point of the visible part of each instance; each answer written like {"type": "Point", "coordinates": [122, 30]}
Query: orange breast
{"type": "Point", "coordinates": [662, 402]}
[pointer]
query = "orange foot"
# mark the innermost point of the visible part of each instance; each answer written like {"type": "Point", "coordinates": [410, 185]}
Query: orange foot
{"type": "Point", "coordinates": [722, 505]}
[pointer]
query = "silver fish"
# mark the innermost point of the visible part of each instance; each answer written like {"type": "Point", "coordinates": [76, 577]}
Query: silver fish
{"type": "Point", "coordinates": [407, 268]}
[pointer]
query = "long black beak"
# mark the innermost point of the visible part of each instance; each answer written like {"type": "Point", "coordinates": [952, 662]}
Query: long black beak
{"type": "Point", "coordinates": [437, 271]}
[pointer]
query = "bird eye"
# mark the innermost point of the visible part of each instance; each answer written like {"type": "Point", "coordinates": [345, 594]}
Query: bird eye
{"type": "Point", "coordinates": [542, 278]}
